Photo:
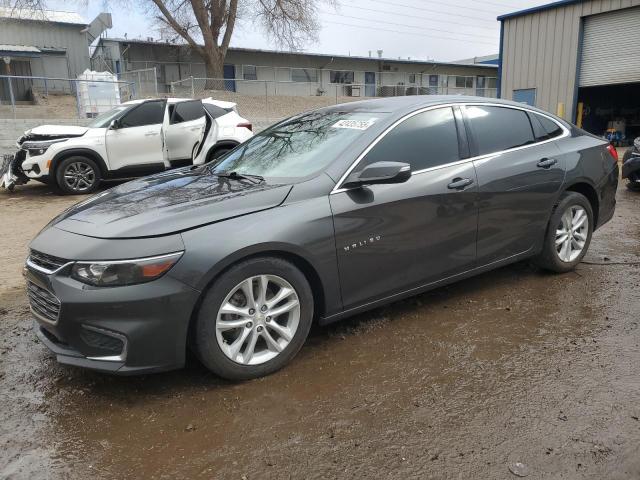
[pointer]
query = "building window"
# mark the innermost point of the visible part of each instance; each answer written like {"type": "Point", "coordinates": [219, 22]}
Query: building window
{"type": "Point", "coordinates": [412, 78]}
{"type": "Point", "coordinates": [304, 75]}
{"type": "Point", "coordinates": [492, 82]}
{"type": "Point", "coordinates": [249, 72]}
{"type": "Point", "coordinates": [527, 95]}
{"type": "Point", "coordinates": [433, 80]}
{"type": "Point", "coordinates": [341, 76]}
{"type": "Point", "coordinates": [461, 82]}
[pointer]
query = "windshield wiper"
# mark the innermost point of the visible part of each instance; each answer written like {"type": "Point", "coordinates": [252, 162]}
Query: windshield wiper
{"type": "Point", "coordinates": [240, 176]}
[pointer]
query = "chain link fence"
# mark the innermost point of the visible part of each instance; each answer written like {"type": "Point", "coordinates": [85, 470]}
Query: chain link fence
{"type": "Point", "coordinates": [145, 81]}
{"type": "Point", "coordinates": [27, 97]}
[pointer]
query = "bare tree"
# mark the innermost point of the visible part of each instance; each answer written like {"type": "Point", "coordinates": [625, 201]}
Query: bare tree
{"type": "Point", "coordinates": [289, 22]}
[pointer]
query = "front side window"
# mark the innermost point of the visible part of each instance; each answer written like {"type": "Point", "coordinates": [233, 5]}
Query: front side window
{"type": "Point", "coordinates": [148, 113]}
{"type": "Point", "coordinates": [499, 128]}
{"type": "Point", "coordinates": [341, 76]}
{"type": "Point", "coordinates": [425, 140]}
{"type": "Point", "coordinates": [300, 146]}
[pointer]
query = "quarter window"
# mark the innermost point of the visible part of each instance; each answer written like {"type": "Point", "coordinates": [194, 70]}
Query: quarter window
{"type": "Point", "coordinates": [550, 128]}
{"type": "Point", "coordinates": [148, 113]}
{"type": "Point", "coordinates": [499, 128]}
{"type": "Point", "coordinates": [425, 140]}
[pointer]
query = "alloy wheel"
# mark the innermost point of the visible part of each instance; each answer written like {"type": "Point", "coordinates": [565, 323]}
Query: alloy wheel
{"type": "Point", "coordinates": [571, 233]}
{"type": "Point", "coordinates": [79, 176]}
{"type": "Point", "coordinates": [258, 319]}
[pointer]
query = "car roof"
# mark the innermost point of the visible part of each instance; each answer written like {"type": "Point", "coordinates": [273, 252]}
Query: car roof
{"type": "Point", "coordinates": [219, 103]}
{"type": "Point", "coordinates": [401, 106]}
{"type": "Point", "coordinates": [413, 102]}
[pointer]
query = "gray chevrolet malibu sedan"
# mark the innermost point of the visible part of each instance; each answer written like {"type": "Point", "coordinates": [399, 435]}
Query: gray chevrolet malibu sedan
{"type": "Point", "coordinates": [321, 216]}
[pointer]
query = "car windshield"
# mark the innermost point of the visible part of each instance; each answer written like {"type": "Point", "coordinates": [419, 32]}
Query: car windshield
{"type": "Point", "coordinates": [103, 120]}
{"type": "Point", "coordinates": [298, 147]}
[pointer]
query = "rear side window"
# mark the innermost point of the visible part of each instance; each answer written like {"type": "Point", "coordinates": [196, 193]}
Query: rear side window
{"type": "Point", "coordinates": [215, 111]}
{"type": "Point", "coordinates": [148, 113]}
{"type": "Point", "coordinates": [499, 128]}
{"type": "Point", "coordinates": [424, 140]}
{"type": "Point", "coordinates": [186, 111]}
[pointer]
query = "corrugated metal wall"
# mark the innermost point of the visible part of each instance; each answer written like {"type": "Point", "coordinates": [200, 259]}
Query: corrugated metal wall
{"type": "Point", "coordinates": [540, 51]}
{"type": "Point", "coordinates": [47, 34]}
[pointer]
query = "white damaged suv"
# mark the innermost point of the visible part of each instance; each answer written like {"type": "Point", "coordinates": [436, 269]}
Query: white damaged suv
{"type": "Point", "coordinates": [135, 138]}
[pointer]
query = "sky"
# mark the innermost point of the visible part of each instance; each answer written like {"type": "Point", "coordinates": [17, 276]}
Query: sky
{"type": "Point", "coordinates": [418, 29]}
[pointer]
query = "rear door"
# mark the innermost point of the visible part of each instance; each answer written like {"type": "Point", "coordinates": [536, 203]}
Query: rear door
{"type": "Point", "coordinates": [520, 171]}
{"type": "Point", "coordinates": [185, 130]}
{"type": "Point", "coordinates": [391, 238]}
{"type": "Point", "coordinates": [139, 140]}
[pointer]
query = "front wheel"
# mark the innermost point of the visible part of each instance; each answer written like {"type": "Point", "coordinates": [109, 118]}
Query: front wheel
{"type": "Point", "coordinates": [254, 319]}
{"type": "Point", "coordinates": [568, 234]}
{"type": "Point", "coordinates": [77, 175]}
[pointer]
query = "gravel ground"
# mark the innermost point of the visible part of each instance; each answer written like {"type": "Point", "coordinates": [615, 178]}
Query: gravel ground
{"type": "Point", "coordinates": [516, 370]}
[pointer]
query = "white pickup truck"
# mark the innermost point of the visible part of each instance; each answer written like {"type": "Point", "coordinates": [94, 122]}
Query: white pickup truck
{"type": "Point", "coordinates": [133, 139]}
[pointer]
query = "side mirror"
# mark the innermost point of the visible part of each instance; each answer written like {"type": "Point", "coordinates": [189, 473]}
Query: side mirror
{"type": "Point", "coordinates": [115, 124]}
{"type": "Point", "coordinates": [380, 173]}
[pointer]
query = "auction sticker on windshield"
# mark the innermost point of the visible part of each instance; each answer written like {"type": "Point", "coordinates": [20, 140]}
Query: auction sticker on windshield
{"type": "Point", "coordinates": [354, 124]}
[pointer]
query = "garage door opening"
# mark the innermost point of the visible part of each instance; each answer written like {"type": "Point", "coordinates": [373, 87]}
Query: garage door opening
{"type": "Point", "coordinates": [612, 111]}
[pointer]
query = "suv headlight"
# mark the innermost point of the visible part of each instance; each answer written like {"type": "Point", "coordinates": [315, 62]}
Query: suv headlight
{"type": "Point", "coordinates": [124, 272]}
{"type": "Point", "coordinates": [39, 147]}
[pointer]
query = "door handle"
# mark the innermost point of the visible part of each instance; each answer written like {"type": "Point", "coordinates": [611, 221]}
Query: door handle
{"type": "Point", "coordinates": [547, 162]}
{"type": "Point", "coordinates": [150, 134]}
{"type": "Point", "coordinates": [459, 183]}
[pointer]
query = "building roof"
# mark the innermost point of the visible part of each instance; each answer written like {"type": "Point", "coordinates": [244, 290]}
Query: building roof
{"type": "Point", "coordinates": [34, 15]}
{"type": "Point", "coordinates": [305, 54]}
{"type": "Point", "coordinates": [541, 8]}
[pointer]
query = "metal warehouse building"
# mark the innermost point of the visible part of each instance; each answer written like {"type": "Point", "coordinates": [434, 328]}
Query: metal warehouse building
{"type": "Point", "coordinates": [577, 58]}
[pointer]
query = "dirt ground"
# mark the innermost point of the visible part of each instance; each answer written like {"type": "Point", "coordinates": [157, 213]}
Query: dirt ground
{"type": "Point", "coordinates": [513, 366]}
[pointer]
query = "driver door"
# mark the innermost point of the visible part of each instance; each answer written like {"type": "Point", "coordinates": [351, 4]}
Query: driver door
{"type": "Point", "coordinates": [138, 142]}
{"type": "Point", "coordinates": [392, 238]}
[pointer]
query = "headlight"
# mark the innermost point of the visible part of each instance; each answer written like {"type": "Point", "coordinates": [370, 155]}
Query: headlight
{"type": "Point", "coordinates": [39, 147]}
{"type": "Point", "coordinates": [123, 272]}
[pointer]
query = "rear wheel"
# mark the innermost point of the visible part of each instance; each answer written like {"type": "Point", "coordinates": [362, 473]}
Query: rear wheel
{"type": "Point", "coordinates": [568, 234]}
{"type": "Point", "coordinates": [633, 183]}
{"type": "Point", "coordinates": [254, 319]}
{"type": "Point", "coordinates": [219, 152]}
{"type": "Point", "coordinates": [77, 175]}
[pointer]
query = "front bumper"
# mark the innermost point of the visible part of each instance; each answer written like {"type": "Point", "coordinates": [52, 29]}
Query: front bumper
{"type": "Point", "coordinates": [121, 330]}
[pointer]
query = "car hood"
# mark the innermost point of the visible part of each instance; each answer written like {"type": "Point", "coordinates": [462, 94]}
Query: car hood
{"type": "Point", "coordinates": [168, 202]}
{"type": "Point", "coordinates": [56, 131]}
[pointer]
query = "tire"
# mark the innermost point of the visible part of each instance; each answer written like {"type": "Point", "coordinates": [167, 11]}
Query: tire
{"type": "Point", "coordinates": [565, 257]}
{"type": "Point", "coordinates": [215, 339]}
{"type": "Point", "coordinates": [634, 186]}
{"type": "Point", "coordinates": [77, 175]}
{"type": "Point", "coordinates": [215, 154]}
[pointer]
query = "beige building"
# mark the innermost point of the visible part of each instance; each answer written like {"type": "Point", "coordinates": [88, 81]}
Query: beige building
{"type": "Point", "coordinates": [577, 58]}
{"type": "Point", "coordinates": [260, 72]}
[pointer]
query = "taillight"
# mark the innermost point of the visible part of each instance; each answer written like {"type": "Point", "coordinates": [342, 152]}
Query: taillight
{"type": "Point", "coordinates": [613, 152]}
{"type": "Point", "coordinates": [246, 125]}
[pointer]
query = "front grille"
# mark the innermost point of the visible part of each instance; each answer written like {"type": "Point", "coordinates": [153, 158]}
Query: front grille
{"type": "Point", "coordinates": [107, 343]}
{"type": "Point", "coordinates": [48, 263]}
{"type": "Point", "coordinates": [43, 302]}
